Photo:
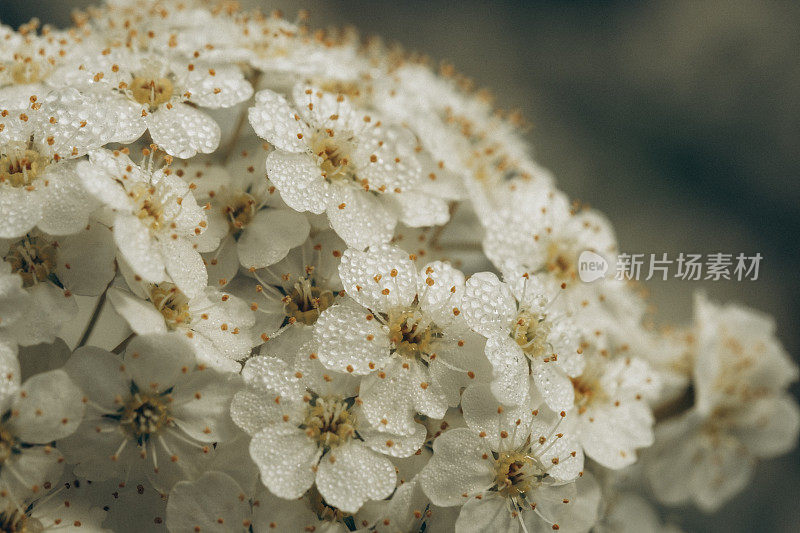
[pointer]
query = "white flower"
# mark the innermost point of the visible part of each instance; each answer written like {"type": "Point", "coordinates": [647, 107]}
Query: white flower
{"type": "Point", "coordinates": [157, 412]}
{"type": "Point", "coordinates": [291, 294]}
{"type": "Point", "coordinates": [245, 219]}
{"type": "Point", "coordinates": [154, 217]}
{"type": "Point", "coordinates": [402, 330]}
{"type": "Point", "coordinates": [526, 337]}
{"type": "Point", "coordinates": [611, 403]}
{"type": "Point", "coordinates": [510, 470]}
{"type": "Point", "coordinates": [332, 159]}
{"type": "Point", "coordinates": [218, 325]}
{"type": "Point", "coordinates": [706, 460]}
{"type": "Point", "coordinates": [68, 506]}
{"type": "Point", "coordinates": [532, 227]}
{"type": "Point", "coordinates": [304, 436]}
{"type": "Point", "coordinates": [45, 408]}
{"type": "Point", "coordinates": [145, 91]}
{"type": "Point", "coordinates": [39, 182]}
{"type": "Point", "coordinates": [405, 511]}
{"type": "Point", "coordinates": [52, 269]}
{"type": "Point", "coordinates": [737, 356]}
{"type": "Point", "coordinates": [27, 59]}
{"type": "Point", "coordinates": [742, 411]}
{"type": "Point", "coordinates": [630, 513]}
{"type": "Point", "coordinates": [217, 500]}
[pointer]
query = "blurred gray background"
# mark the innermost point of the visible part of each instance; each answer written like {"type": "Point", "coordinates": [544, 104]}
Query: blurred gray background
{"type": "Point", "coordinates": [680, 120]}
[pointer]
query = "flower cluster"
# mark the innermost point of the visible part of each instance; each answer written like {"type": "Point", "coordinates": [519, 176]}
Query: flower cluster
{"type": "Point", "coordinates": [260, 278]}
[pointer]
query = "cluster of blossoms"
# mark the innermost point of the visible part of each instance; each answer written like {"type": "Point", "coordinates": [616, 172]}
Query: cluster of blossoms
{"type": "Point", "coordinates": [258, 278]}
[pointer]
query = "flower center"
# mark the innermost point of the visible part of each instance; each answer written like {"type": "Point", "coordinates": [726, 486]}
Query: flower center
{"type": "Point", "coordinates": [26, 71]}
{"type": "Point", "coordinates": [152, 92]}
{"type": "Point", "coordinates": [323, 509]}
{"type": "Point", "coordinates": [8, 445]}
{"type": "Point", "coordinates": [515, 473]}
{"type": "Point", "coordinates": [143, 415]}
{"type": "Point", "coordinates": [306, 302]}
{"type": "Point", "coordinates": [172, 304]}
{"type": "Point", "coordinates": [587, 390]}
{"type": "Point", "coordinates": [150, 210]}
{"type": "Point", "coordinates": [33, 258]}
{"type": "Point", "coordinates": [21, 169]}
{"type": "Point", "coordinates": [329, 422]}
{"type": "Point", "coordinates": [412, 335]}
{"type": "Point", "coordinates": [560, 262]}
{"type": "Point", "coordinates": [16, 521]}
{"type": "Point", "coordinates": [240, 212]}
{"type": "Point", "coordinates": [531, 332]}
{"type": "Point", "coordinates": [333, 156]}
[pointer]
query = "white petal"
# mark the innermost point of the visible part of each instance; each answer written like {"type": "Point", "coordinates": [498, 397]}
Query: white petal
{"type": "Point", "coordinates": [554, 385]}
{"type": "Point", "coordinates": [485, 415]}
{"type": "Point", "coordinates": [274, 119]}
{"type": "Point", "coordinates": [299, 180]}
{"type": "Point", "coordinates": [142, 316]}
{"type": "Point", "coordinates": [79, 124]}
{"type": "Point", "coordinates": [457, 468]}
{"type": "Point", "coordinates": [285, 457]}
{"type": "Point", "coordinates": [20, 210]}
{"type": "Point", "coordinates": [393, 444]}
{"type": "Point", "coordinates": [387, 399]}
{"type": "Point", "coordinates": [441, 288]}
{"type": "Point", "coordinates": [137, 248]}
{"type": "Point", "coordinates": [270, 236]}
{"type": "Point", "coordinates": [352, 474]}
{"type": "Point", "coordinates": [359, 217]}
{"type": "Point", "coordinates": [203, 405]}
{"type": "Point", "coordinates": [489, 513]}
{"type": "Point", "coordinates": [349, 341]}
{"type": "Point", "coordinates": [67, 205]}
{"type": "Point", "coordinates": [157, 361]}
{"type": "Point", "coordinates": [185, 266]}
{"type": "Point", "coordinates": [488, 305]}
{"type": "Point", "coordinates": [380, 279]}
{"type": "Point", "coordinates": [183, 131]}
{"type": "Point", "coordinates": [49, 308]}
{"type": "Point", "coordinates": [99, 374]}
{"type": "Point", "coordinates": [86, 260]}
{"type": "Point", "coordinates": [204, 504]}
{"type": "Point", "coordinates": [225, 88]}
{"type": "Point", "coordinates": [509, 370]}
{"type": "Point", "coordinates": [49, 407]}
{"type": "Point", "coordinates": [418, 209]}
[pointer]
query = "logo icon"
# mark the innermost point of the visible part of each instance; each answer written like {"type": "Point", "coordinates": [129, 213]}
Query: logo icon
{"type": "Point", "coordinates": [591, 266]}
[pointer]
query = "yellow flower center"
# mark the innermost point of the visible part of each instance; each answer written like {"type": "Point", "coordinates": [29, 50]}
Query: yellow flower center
{"type": "Point", "coordinates": [329, 422]}
{"type": "Point", "coordinates": [172, 304]}
{"type": "Point", "coordinates": [412, 335]}
{"type": "Point", "coordinates": [560, 262]}
{"type": "Point", "coordinates": [150, 210]}
{"type": "Point", "coordinates": [15, 520]}
{"type": "Point", "coordinates": [587, 391]}
{"type": "Point", "coordinates": [21, 169]}
{"type": "Point", "coordinates": [531, 331]}
{"type": "Point", "coordinates": [306, 302]}
{"type": "Point", "coordinates": [33, 258]}
{"type": "Point", "coordinates": [152, 92]}
{"type": "Point", "coordinates": [144, 415]}
{"type": "Point", "coordinates": [240, 211]}
{"type": "Point", "coordinates": [515, 473]}
{"type": "Point", "coordinates": [7, 445]}
{"type": "Point", "coordinates": [333, 156]}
